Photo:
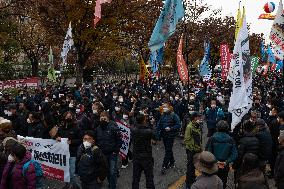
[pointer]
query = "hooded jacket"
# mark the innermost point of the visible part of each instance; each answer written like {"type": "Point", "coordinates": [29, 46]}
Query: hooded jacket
{"type": "Point", "coordinates": [223, 147]}
{"type": "Point", "coordinates": [17, 179]}
{"type": "Point", "coordinates": [170, 120]}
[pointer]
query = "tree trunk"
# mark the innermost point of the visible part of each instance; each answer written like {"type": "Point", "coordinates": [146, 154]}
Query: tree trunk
{"type": "Point", "coordinates": [79, 73]}
{"type": "Point", "coordinates": [34, 63]}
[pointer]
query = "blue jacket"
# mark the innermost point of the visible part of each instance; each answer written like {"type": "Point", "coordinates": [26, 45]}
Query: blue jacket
{"type": "Point", "coordinates": [213, 116]}
{"type": "Point", "coordinates": [170, 120]}
{"type": "Point", "coordinates": [223, 147]}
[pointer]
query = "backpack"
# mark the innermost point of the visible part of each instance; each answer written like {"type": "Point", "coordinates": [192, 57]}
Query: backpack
{"type": "Point", "coordinates": [38, 172]}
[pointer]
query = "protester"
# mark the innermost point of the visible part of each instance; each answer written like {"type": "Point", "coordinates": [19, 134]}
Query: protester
{"type": "Point", "coordinates": [279, 164]}
{"type": "Point", "coordinates": [281, 120]}
{"type": "Point", "coordinates": [224, 149]}
{"type": "Point", "coordinates": [91, 163]}
{"type": "Point", "coordinates": [213, 115]}
{"type": "Point", "coordinates": [13, 177]}
{"type": "Point", "coordinates": [251, 174]}
{"type": "Point", "coordinates": [108, 139]}
{"type": "Point", "coordinates": [192, 141]}
{"type": "Point", "coordinates": [19, 123]}
{"type": "Point", "coordinates": [35, 126]}
{"type": "Point", "coordinates": [142, 153]}
{"type": "Point", "coordinates": [207, 166]}
{"type": "Point", "coordinates": [167, 128]}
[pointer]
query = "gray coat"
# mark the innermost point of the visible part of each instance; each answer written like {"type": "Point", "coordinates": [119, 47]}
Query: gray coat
{"type": "Point", "coordinates": [207, 182]}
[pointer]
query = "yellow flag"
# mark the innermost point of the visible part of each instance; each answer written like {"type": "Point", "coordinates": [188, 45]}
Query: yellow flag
{"type": "Point", "coordinates": [144, 73]}
{"type": "Point", "coordinates": [239, 23]}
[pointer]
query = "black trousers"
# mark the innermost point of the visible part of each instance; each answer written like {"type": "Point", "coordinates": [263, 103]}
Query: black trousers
{"type": "Point", "coordinates": [211, 132]}
{"type": "Point", "coordinates": [128, 157]}
{"type": "Point", "coordinates": [169, 156]}
{"type": "Point", "coordinates": [145, 165]}
{"type": "Point", "coordinates": [190, 172]}
{"type": "Point", "coordinates": [91, 185]}
{"type": "Point", "coordinates": [223, 175]}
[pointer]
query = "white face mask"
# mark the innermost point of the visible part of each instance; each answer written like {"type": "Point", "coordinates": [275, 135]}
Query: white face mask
{"type": "Point", "coordinates": [71, 105]}
{"type": "Point", "coordinates": [270, 113]}
{"type": "Point", "coordinates": [28, 120]}
{"type": "Point", "coordinates": [176, 98]}
{"type": "Point", "coordinates": [268, 105]}
{"type": "Point", "coordinates": [46, 100]}
{"type": "Point", "coordinates": [120, 100]}
{"type": "Point", "coordinates": [114, 97]}
{"type": "Point", "coordinates": [24, 98]}
{"type": "Point", "coordinates": [166, 109]}
{"type": "Point", "coordinates": [8, 113]}
{"type": "Point", "coordinates": [95, 111]}
{"type": "Point", "coordinates": [11, 158]}
{"type": "Point", "coordinates": [171, 98]}
{"type": "Point", "coordinates": [125, 117]}
{"type": "Point", "coordinates": [77, 111]}
{"type": "Point", "coordinates": [87, 144]}
{"type": "Point", "coordinates": [117, 109]}
{"type": "Point", "coordinates": [191, 98]}
{"type": "Point", "coordinates": [213, 106]}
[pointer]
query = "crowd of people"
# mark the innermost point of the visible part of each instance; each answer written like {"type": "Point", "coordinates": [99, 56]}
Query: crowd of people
{"type": "Point", "coordinates": [157, 110]}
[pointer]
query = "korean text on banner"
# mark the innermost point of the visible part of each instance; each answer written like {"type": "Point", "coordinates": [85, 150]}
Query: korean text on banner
{"type": "Point", "coordinates": [225, 60]}
{"type": "Point", "coordinates": [52, 155]}
{"type": "Point", "coordinates": [125, 136]}
{"type": "Point", "coordinates": [277, 30]}
{"type": "Point", "coordinates": [182, 69]}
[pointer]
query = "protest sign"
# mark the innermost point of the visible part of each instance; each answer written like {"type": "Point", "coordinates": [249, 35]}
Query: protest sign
{"type": "Point", "coordinates": [51, 154]}
{"type": "Point", "coordinates": [125, 137]}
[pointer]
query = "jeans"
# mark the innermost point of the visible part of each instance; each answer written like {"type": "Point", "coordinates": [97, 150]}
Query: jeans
{"type": "Point", "coordinates": [169, 156]}
{"type": "Point", "coordinates": [190, 172]}
{"type": "Point", "coordinates": [113, 171]}
{"type": "Point", "coordinates": [72, 168]}
{"type": "Point", "coordinates": [91, 185]}
{"type": "Point", "coordinates": [145, 165]}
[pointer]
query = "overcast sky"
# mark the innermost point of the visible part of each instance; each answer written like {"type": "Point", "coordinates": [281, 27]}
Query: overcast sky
{"type": "Point", "coordinates": [253, 9]}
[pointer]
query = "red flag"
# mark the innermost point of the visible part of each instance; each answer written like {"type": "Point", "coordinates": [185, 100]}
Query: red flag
{"type": "Point", "coordinates": [225, 60]}
{"type": "Point", "coordinates": [98, 10]}
{"type": "Point", "coordinates": [182, 68]}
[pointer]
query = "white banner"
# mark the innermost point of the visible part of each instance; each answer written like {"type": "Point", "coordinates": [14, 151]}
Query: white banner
{"type": "Point", "coordinates": [241, 98]}
{"type": "Point", "coordinates": [125, 137]}
{"type": "Point", "coordinates": [51, 154]}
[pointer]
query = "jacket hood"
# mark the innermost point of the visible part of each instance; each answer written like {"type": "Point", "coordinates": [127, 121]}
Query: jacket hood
{"type": "Point", "coordinates": [221, 137]}
{"type": "Point", "coordinates": [28, 157]}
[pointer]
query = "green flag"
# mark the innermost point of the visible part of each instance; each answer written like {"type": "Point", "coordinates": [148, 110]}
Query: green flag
{"type": "Point", "coordinates": [50, 56]}
{"type": "Point", "coordinates": [254, 63]}
{"type": "Point", "coordinates": [51, 74]}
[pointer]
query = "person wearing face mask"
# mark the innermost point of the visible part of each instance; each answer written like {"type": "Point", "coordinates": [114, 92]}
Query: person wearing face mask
{"type": "Point", "coordinates": [192, 141]}
{"type": "Point", "coordinates": [179, 106]}
{"type": "Point", "coordinates": [91, 163]}
{"type": "Point", "coordinates": [213, 115]}
{"type": "Point", "coordinates": [109, 141]}
{"type": "Point", "coordinates": [82, 120]}
{"type": "Point", "coordinates": [281, 120]}
{"type": "Point", "coordinates": [97, 110]}
{"type": "Point", "coordinates": [279, 163]}
{"type": "Point", "coordinates": [35, 128]}
{"type": "Point", "coordinates": [19, 123]}
{"type": "Point", "coordinates": [68, 129]}
{"type": "Point", "coordinates": [118, 113]}
{"type": "Point", "coordinates": [167, 129]}
{"type": "Point", "coordinates": [13, 177]}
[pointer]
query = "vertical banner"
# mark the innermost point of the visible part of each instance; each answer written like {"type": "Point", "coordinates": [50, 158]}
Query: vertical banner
{"type": "Point", "coordinates": [182, 69]}
{"type": "Point", "coordinates": [51, 154]}
{"type": "Point", "coordinates": [144, 74]}
{"type": "Point", "coordinates": [225, 60]}
{"type": "Point", "coordinates": [125, 136]}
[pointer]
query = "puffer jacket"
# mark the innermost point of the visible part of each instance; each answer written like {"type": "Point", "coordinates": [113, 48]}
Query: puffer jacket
{"type": "Point", "coordinates": [265, 141]}
{"type": "Point", "coordinates": [108, 138]}
{"type": "Point", "coordinates": [252, 179]}
{"type": "Point", "coordinates": [36, 130]}
{"type": "Point", "coordinates": [213, 116]}
{"type": "Point", "coordinates": [141, 137]}
{"type": "Point", "coordinates": [17, 179]}
{"type": "Point", "coordinates": [170, 120]}
{"type": "Point", "coordinates": [223, 147]}
{"type": "Point", "coordinates": [279, 169]}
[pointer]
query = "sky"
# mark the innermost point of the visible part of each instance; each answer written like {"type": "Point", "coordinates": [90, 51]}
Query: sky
{"type": "Point", "coordinates": [253, 9]}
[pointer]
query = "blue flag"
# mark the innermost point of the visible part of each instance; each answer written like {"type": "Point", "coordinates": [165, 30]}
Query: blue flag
{"type": "Point", "coordinates": [204, 68]}
{"type": "Point", "coordinates": [279, 65]}
{"type": "Point", "coordinates": [271, 57]}
{"type": "Point", "coordinates": [263, 53]}
{"type": "Point", "coordinates": [156, 58]}
{"type": "Point", "coordinates": [171, 13]}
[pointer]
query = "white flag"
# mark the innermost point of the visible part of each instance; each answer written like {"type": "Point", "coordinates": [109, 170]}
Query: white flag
{"type": "Point", "coordinates": [241, 97]}
{"type": "Point", "coordinates": [68, 43]}
{"type": "Point", "coordinates": [277, 30]}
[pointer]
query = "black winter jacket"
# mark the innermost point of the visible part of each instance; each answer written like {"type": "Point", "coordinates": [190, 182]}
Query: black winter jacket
{"type": "Point", "coordinates": [71, 132]}
{"type": "Point", "coordinates": [265, 142]}
{"type": "Point", "coordinates": [279, 169]}
{"type": "Point", "coordinates": [91, 164]}
{"type": "Point", "coordinates": [108, 138]}
{"type": "Point", "coordinates": [36, 130]}
{"type": "Point", "coordinates": [141, 137]}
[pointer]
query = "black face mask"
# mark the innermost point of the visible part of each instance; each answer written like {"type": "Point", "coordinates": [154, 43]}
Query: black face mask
{"type": "Point", "coordinates": [103, 123]}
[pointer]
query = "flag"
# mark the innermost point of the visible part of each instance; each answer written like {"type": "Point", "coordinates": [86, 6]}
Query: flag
{"type": "Point", "coordinates": [204, 68]}
{"type": "Point", "coordinates": [279, 65]}
{"type": "Point", "coordinates": [182, 68]}
{"type": "Point", "coordinates": [277, 30]}
{"type": "Point", "coordinates": [278, 53]}
{"type": "Point", "coordinates": [68, 43]}
{"type": "Point", "coordinates": [225, 60]}
{"type": "Point", "coordinates": [144, 74]}
{"type": "Point", "coordinates": [241, 97]}
{"type": "Point", "coordinates": [271, 57]}
{"type": "Point", "coordinates": [262, 50]}
{"type": "Point", "coordinates": [254, 63]}
{"type": "Point", "coordinates": [50, 56]}
{"type": "Point", "coordinates": [98, 10]}
{"type": "Point", "coordinates": [51, 74]}
{"type": "Point", "coordinates": [238, 23]}
{"type": "Point", "coordinates": [156, 59]}
{"type": "Point", "coordinates": [171, 13]}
